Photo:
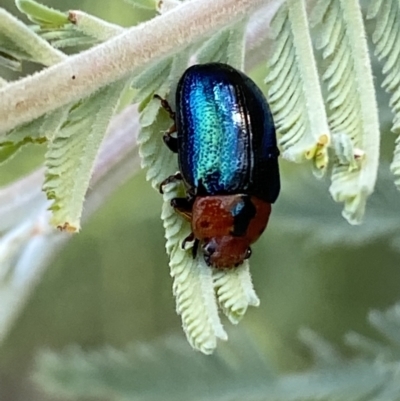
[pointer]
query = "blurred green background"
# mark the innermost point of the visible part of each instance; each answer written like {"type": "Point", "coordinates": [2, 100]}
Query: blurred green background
{"type": "Point", "coordinates": [111, 283]}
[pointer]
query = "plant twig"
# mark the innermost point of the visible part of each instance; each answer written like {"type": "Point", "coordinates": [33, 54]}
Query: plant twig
{"type": "Point", "coordinates": [76, 78]}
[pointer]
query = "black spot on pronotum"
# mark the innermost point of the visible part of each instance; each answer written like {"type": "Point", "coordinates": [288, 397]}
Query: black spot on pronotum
{"type": "Point", "coordinates": [73, 76]}
{"type": "Point", "coordinates": [242, 218]}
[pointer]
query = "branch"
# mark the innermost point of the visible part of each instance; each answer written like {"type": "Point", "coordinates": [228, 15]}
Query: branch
{"type": "Point", "coordinates": [75, 78]}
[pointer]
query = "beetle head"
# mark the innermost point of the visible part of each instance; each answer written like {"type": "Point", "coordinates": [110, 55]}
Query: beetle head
{"type": "Point", "coordinates": [227, 251]}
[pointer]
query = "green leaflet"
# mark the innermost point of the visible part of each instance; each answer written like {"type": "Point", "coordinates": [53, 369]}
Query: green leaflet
{"type": "Point", "coordinates": [8, 150]}
{"type": "Point", "coordinates": [225, 47]}
{"type": "Point", "coordinates": [235, 292]}
{"type": "Point", "coordinates": [18, 43]}
{"type": "Point", "coordinates": [66, 36]}
{"type": "Point", "coordinates": [39, 131]}
{"type": "Point", "coordinates": [9, 62]}
{"type": "Point", "coordinates": [71, 155]}
{"type": "Point", "coordinates": [214, 48]}
{"type": "Point", "coordinates": [294, 90]}
{"type": "Point", "coordinates": [386, 39]}
{"type": "Point", "coordinates": [11, 54]}
{"type": "Point", "coordinates": [41, 14]}
{"type": "Point", "coordinates": [351, 100]}
{"type": "Point", "coordinates": [149, 82]}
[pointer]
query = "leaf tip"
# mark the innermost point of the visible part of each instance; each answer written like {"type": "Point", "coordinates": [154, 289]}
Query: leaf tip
{"type": "Point", "coordinates": [67, 227]}
{"type": "Point", "coordinates": [72, 17]}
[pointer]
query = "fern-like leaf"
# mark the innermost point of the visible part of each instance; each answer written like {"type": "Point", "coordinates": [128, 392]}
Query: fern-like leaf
{"type": "Point", "coordinates": [72, 152]}
{"type": "Point", "coordinates": [66, 36]}
{"type": "Point", "coordinates": [225, 47]}
{"type": "Point", "coordinates": [294, 91]}
{"type": "Point", "coordinates": [131, 373]}
{"type": "Point", "coordinates": [9, 61]}
{"type": "Point", "coordinates": [386, 39]}
{"type": "Point", "coordinates": [235, 292]}
{"type": "Point", "coordinates": [351, 99]}
{"type": "Point", "coordinates": [193, 284]}
{"type": "Point", "coordinates": [124, 374]}
{"type": "Point", "coordinates": [19, 43]}
{"type": "Point", "coordinates": [38, 131]}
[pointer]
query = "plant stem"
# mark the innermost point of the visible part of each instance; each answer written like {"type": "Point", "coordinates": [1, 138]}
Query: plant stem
{"type": "Point", "coordinates": [82, 74]}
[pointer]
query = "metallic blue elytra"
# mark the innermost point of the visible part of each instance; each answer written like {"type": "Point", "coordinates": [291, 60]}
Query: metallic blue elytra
{"type": "Point", "coordinates": [225, 134]}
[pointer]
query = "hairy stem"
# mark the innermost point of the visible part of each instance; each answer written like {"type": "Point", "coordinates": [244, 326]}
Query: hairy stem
{"type": "Point", "coordinates": [76, 78]}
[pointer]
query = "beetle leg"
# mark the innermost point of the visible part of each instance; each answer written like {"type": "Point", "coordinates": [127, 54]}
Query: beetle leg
{"type": "Point", "coordinates": [183, 206]}
{"type": "Point", "coordinates": [195, 247]}
{"type": "Point", "coordinates": [170, 141]}
{"type": "Point", "coordinates": [165, 105]}
{"type": "Point", "coordinates": [172, 178]}
{"type": "Point", "coordinates": [191, 195]}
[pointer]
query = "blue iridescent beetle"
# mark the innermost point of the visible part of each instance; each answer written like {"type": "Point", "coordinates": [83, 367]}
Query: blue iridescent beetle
{"type": "Point", "coordinates": [228, 161]}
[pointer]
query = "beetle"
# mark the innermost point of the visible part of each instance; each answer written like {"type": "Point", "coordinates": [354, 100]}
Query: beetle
{"type": "Point", "coordinates": [228, 160]}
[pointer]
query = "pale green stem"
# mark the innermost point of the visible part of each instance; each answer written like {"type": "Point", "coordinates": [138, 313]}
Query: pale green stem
{"type": "Point", "coordinates": [75, 78]}
{"type": "Point", "coordinates": [318, 123]}
{"type": "Point", "coordinates": [370, 139]}
{"type": "Point", "coordinates": [93, 26]}
{"type": "Point", "coordinates": [30, 42]}
{"type": "Point", "coordinates": [41, 14]}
